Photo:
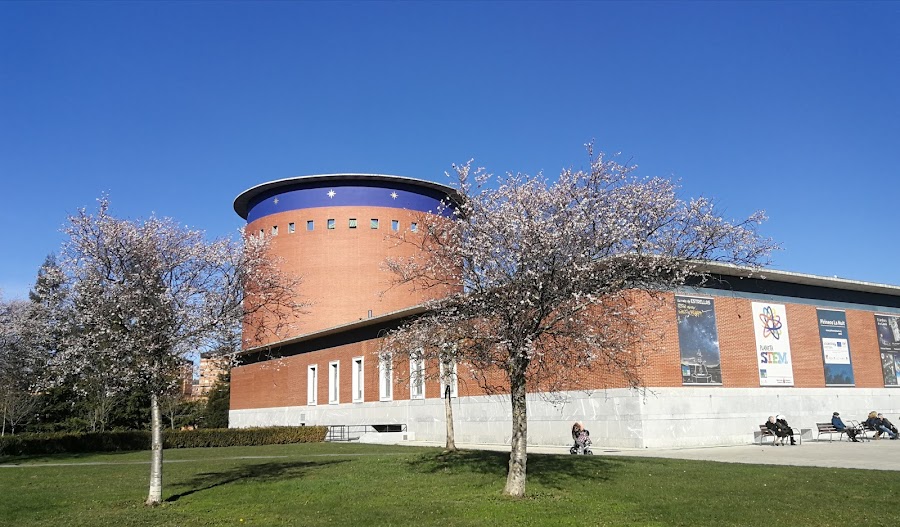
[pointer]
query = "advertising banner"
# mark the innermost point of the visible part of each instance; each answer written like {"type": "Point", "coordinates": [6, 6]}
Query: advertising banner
{"type": "Point", "coordinates": [698, 340]}
{"type": "Point", "coordinates": [773, 348]}
{"type": "Point", "coordinates": [835, 347]}
{"type": "Point", "coordinates": [888, 329]}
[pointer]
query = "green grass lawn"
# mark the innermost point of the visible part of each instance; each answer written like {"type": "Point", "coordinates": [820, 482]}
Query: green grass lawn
{"type": "Point", "coordinates": [358, 485]}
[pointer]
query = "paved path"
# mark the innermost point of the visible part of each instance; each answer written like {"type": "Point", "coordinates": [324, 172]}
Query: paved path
{"type": "Point", "coordinates": [876, 455]}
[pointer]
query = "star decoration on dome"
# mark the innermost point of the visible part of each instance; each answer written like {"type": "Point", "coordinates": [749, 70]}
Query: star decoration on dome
{"type": "Point", "coordinates": [394, 195]}
{"type": "Point", "coordinates": [331, 193]}
{"type": "Point", "coordinates": [275, 201]}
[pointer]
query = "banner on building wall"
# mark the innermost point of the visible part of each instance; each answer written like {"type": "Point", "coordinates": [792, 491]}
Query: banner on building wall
{"type": "Point", "coordinates": [835, 347]}
{"type": "Point", "coordinates": [773, 348]}
{"type": "Point", "coordinates": [698, 340]}
{"type": "Point", "coordinates": [888, 329]}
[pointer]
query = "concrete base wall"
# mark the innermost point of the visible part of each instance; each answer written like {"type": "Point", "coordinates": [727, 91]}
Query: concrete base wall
{"type": "Point", "coordinates": [652, 418]}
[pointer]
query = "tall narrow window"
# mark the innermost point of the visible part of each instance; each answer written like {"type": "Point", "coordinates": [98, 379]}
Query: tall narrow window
{"type": "Point", "coordinates": [416, 379]}
{"type": "Point", "coordinates": [334, 382]}
{"type": "Point", "coordinates": [414, 227]}
{"type": "Point", "coordinates": [262, 233]}
{"type": "Point", "coordinates": [385, 378]}
{"type": "Point", "coordinates": [352, 223]}
{"type": "Point", "coordinates": [274, 230]}
{"type": "Point", "coordinates": [312, 385]}
{"type": "Point", "coordinates": [330, 224]}
{"type": "Point", "coordinates": [310, 225]}
{"type": "Point", "coordinates": [448, 377]}
{"type": "Point", "coordinates": [291, 228]}
{"type": "Point", "coordinates": [395, 225]}
{"type": "Point", "coordinates": [374, 223]}
{"type": "Point", "coordinates": [358, 378]}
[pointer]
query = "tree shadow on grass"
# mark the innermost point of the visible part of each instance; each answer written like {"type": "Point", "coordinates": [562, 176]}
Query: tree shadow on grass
{"type": "Point", "coordinates": [260, 472]}
{"type": "Point", "coordinates": [550, 470]}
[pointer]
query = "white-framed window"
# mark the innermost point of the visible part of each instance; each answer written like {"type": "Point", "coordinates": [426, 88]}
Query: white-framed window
{"type": "Point", "coordinates": [334, 384]}
{"type": "Point", "coordinates": [274, 230]}
{"type": "Point", "coordinates": [416, 378]}
{"type": "Point", "coordinates": [358, 379]}
{"type": "Point", "coordinates": [414, 227]}
{"type": "Point", "coordinates": [329, 224]}
{"type": "Point", "coordinates": [448, 377]}
{"type": "Point", "coordinates": [386, 378]}
{"type": "Point", "coordinates": [395, 225]}
{"type": "Point", "coordinates": [374, 223]}
{"type": "Point", "coordinates": [312, 385]}
{"type": "Point", "coordinates": [352, 223]}
{"type": "Point", "coordinates": [291, 228]}
{"type": "Point", "coordinates": [262, 233]}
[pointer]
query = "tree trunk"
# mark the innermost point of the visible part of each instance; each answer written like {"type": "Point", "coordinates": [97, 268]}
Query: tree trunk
{"type": "Point", "coordinates": [3, 432]}
{"type": "Point", "coordinates": [448, 410]}
{"type": "Point", "coordinates": [156, 449]}
{"type": "Point", "coordinates": [518, 457]}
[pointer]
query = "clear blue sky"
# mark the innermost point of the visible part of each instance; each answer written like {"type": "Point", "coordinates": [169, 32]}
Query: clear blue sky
{"type": "Point", "coordinates": [177, 107]}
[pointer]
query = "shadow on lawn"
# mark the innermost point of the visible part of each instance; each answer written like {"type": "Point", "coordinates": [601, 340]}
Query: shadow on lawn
{"type": "Point", "coordinates": [261, 472]}
{"type": "Point", "coordinates": [550, 470]}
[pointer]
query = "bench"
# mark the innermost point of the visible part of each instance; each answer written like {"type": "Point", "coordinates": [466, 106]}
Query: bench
{"type": "Point", "coordinates": [864, 430]}
{"type": "Point", "coordinates": [765, 432]}
{"type": "Point", "coordinates": [828, 428]}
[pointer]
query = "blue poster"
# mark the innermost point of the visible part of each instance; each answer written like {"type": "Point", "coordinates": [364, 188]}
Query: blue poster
{"type": "Point", "coordinates": [835, 347]}
{"type": "Point", "coordinates": [698, 340]}
{"type": "Point", "coordinates": [888, 329]}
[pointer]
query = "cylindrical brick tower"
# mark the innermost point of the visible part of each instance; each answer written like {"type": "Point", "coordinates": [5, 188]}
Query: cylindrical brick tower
{"type": "Point", "coordinates": [335, 232]}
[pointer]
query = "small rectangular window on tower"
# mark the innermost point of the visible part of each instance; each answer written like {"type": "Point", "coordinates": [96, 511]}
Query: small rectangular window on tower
{"type": "Point", "coordinates": [395, 225]}
{"type": "Point", "coordinates": [274, 230]}
{"type": "Point", "coordinates": [291, 228]}
{"type": "Point", "coordinates": [262, 233]}
{"type": "Point", "coordinates": [310, 225]}
{"type": "Point", "coordinates": [352, 223]}
{"type": "Point", "coordinates": [330, 224]}
{"type": "Point", "coordinates": [374, 223]}
{"type": "Point", "coordinates": [414, 227]}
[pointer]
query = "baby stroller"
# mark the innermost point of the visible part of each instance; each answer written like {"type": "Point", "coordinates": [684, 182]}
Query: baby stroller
{"type": "Point", "coordinates": [582, 443]}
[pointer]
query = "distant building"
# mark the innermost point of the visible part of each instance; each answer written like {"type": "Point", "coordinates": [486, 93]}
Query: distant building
{"type": "Point", "coordinates": [733, 351]}
{"type": "Point", "coordinates": [186, 382]}
{"type": "Point", "coordinates": [212, 366]}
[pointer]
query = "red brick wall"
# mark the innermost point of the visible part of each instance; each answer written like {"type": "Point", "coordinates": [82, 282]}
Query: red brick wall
{"type": "Point", "coordinates": [342, 269]}
{"type": "Point", "coordinates": [283, 382]}
{"type": "Point", "coordinates": [864, 349]}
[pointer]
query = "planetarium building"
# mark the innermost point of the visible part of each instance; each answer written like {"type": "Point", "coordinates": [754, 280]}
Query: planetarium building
{"type": "Point", "coordinates": [736, 349]}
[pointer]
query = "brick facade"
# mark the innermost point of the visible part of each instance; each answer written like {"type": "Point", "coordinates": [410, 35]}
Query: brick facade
{"type": "Point", "coordinates": [352, 301]}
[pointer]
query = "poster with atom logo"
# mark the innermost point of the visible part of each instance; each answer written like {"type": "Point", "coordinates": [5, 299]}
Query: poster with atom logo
{"type": "Point", "coordinates": [773, 347]}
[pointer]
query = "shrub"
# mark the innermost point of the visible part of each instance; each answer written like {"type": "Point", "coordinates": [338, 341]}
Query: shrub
{"type": "Point", "coordinates": [72, 443]}
{"type": "Point", "coordinates": [216, 437]}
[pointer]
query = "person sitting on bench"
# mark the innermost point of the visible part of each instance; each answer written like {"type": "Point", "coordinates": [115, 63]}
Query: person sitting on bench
{"type": "Point", "coordinates": [779, 430]}
{"type": "Point", "coordinates": [876, 422]}
{"type": "Point", "coordinates": [781, 421]}
{"type": "Point", "coordinates": [839, 425]}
